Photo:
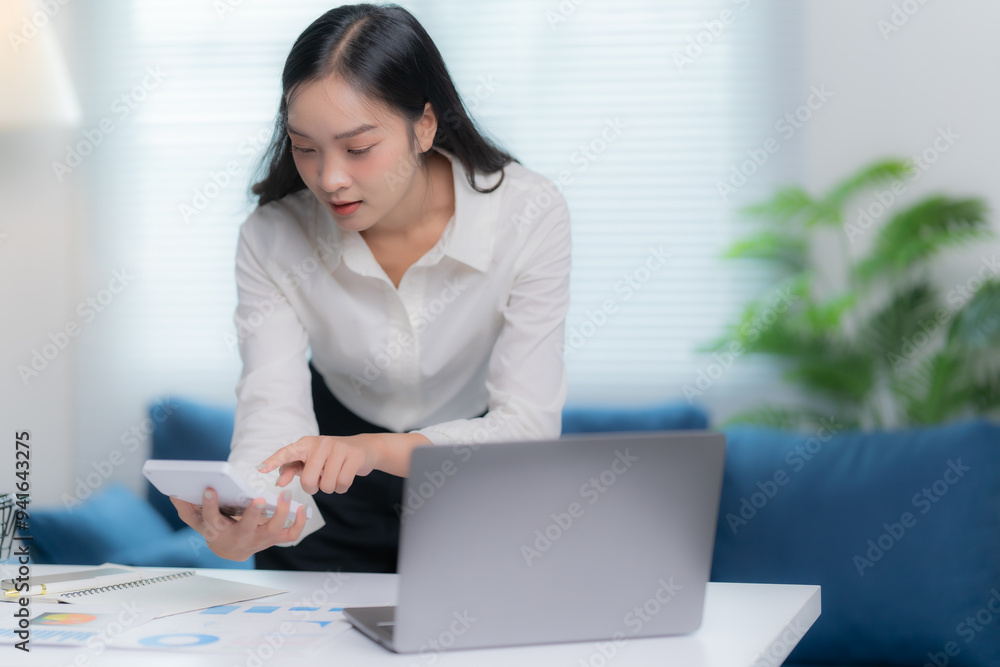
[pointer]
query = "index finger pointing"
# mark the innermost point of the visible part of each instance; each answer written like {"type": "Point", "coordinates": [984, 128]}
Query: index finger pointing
{"type": "Point", "coordinates": [292, 452]}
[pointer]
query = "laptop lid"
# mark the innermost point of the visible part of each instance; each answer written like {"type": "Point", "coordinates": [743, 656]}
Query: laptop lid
{"type": "Point", "coordinates": [592, 537]}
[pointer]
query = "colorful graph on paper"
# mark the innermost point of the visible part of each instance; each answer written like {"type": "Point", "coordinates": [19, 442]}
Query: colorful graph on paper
{"type": "Point", "coordinates": [249, 629]}
{"type": "Point", "coordinates": [85, 625]}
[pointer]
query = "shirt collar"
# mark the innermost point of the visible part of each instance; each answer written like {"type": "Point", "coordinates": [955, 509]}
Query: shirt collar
{"type": "Point", "coordinates": [468, 237]}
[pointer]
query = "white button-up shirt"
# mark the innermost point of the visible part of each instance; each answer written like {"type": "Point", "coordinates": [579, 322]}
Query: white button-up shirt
{"type": "Point", "coordinates": [477, 323]}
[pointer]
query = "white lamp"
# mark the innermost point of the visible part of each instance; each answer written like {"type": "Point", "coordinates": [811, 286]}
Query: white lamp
{"type": "Point", "coordinates": [35, 87]}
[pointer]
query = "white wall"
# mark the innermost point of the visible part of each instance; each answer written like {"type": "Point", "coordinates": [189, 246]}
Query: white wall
{"type": "Point", "coordinates": [43, 234]}
{"type": "Point", "coordinates": [891, 95]}
{"type": "Point", "coordinates": [37, 297]}
{"type": "Point", "coordinates": [895, 88]}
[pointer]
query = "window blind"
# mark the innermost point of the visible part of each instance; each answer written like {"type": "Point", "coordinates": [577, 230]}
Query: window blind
{"type": "Point", "coordinates": [640, 108]}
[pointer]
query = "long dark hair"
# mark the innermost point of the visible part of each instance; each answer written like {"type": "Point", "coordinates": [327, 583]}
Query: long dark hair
{"type": "Point", "coordinates": [384, 53]}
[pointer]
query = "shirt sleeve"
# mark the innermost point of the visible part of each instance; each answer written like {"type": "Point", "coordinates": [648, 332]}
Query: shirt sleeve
{"type": "Point", "coordinates": [526, 375]}
{"type": "Point", "coordinates": [274, 392]}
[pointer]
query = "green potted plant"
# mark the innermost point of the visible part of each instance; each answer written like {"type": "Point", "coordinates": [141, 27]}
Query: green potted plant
{"type": "Point", "coordinates": [889, 349]}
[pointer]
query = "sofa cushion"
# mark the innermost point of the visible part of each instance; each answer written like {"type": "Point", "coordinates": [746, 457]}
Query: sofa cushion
{"type": "Point", "coordinates": [611, 419]}
{"type": "Point", "coordinates": [112, 519]}
{"type": "Point", "coordinates": [186, 430]}
{"type": "Point", "coordinates": [189, 430]}
{"type": "Point", "coordinates": [901, 529]}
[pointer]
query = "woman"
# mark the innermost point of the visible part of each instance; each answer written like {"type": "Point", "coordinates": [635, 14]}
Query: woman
{"type": "Point", "coordinates": [426, 270]}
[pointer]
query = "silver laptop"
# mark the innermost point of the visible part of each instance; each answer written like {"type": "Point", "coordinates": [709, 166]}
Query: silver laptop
{"type": "Point", "coordinates": [597, 537]}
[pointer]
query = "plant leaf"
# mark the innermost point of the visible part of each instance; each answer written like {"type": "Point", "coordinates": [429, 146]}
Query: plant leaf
{"type": "Point", "coordinates": [781, 247]}
{"type": "Point", "coordinates": [977, 325]}
{"type": "Point", "coordinates": [763, 325]}
{"type": "Point", "coordinates": [784, 206]}
{"type": "Point", "coordinates": [935, 391]}
{"type": "Point", "coordinates": [841, 384]}
{"type": "Point", "coordinates": [829, 209]}
{"type": "Point", "coordinates": [919, 232]}
{"type": "Point", "coordinates": [824, 318]}
{"type": "Point", "coordinates": [889, 333]}
{"type": "Point", "coordinates": [837, 373]}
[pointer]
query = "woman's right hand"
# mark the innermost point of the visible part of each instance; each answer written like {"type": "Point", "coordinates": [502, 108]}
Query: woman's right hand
{"type": "Point", "coordinates": [241, 537]}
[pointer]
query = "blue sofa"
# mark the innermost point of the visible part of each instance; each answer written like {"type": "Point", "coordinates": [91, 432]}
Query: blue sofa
{"type": "Point", "coordinates": [901, 529]}
{"type": "Point", "coordinates": [115, 525]}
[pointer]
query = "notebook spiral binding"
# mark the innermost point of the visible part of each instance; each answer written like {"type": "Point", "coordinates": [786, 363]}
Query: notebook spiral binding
{"type": "Point", "coordinates": [130, 584]}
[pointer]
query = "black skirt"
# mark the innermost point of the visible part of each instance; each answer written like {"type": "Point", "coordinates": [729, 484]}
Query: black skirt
{"type": "Point", "coordinates": [362, 525]}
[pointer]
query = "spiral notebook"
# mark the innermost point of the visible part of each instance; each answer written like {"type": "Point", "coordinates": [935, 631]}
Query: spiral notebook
{"type": "Point", "coordinates": [168, 594]}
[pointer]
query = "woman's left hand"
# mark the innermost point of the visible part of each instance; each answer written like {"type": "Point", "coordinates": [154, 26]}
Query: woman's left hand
{"type": "Point", "coordinates": [325, 463]}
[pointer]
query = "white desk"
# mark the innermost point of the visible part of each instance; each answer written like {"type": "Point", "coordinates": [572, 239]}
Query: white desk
{"type": "Point", "coordinates": [744, 624]}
